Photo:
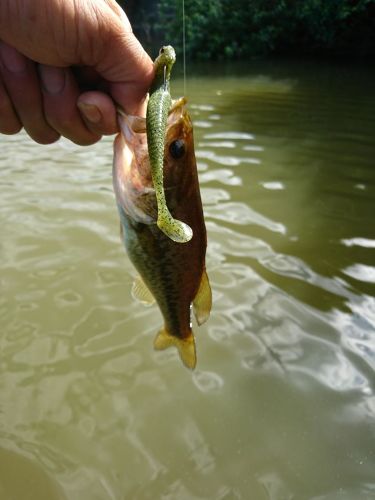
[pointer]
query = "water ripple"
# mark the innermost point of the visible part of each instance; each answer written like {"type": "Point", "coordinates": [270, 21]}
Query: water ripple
{"type": "Point", "coordinates": [286, 361]}
{"type": "Point", "coordinates": [230, 161]}
{"type": "Point", "coordinates": [207, 381]}
{"type": "Point", "coordinates": [361, 242]}
{"type": "Point", "coordinates": [230, 135]}
{"type": "Point", "coordinates": [240, 213]}
{"type": "Point", "coordinates": [361, 272]}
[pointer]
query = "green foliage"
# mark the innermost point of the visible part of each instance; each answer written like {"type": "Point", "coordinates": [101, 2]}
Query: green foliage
{"type": "Point", "coordinates": [229, 29]}
{"type": "Point", "coordinates": [203, 26]}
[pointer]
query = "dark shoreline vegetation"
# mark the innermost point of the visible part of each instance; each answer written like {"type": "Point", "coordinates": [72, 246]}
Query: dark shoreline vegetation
{"type": "Point", "coordinates": [243, 29]}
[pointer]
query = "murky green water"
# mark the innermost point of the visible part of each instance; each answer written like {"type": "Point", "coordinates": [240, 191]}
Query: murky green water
{"type": "Point", "coordinates": [282, 403]}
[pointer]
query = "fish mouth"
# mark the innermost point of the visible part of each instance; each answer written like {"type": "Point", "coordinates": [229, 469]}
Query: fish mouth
{"type": "Point", "coordinates": [133, 141]}
{"type": "Point", "coordinates": [130, 124]}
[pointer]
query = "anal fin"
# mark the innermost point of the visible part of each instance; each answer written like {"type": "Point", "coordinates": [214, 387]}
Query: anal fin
{"type": "Point", "coordinates": [202, 302]}
{"type": "Point", "coordinates": [141, 293]}
{"type": "Point", "coordinates": [185, 346]}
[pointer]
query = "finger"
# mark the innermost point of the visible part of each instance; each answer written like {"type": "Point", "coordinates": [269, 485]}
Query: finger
{"type": "Point", "coordinates": [60, 95]}
{"type": "Point", "coordinates": [98, 112]}
{"type": "Point", "coordinates": [9, 122]}
{"type": "Point", "coordinates": [131, 92]}
{"type": "Point", "coordinates": [125, 65]}
{"type": "Point", "coordinates": [130, 98]}
{"type": "Point", "coordinates": [23, 88]}
{"type": "Point", "coordinates": [112, 4]}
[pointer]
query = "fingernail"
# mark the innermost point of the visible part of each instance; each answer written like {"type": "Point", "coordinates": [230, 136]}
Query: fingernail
{"type": "Point", "coordinates": [12, 59]}
{"type": "Point", "coordinates": [90, 112]}
{"type": "Point", "coordinates": [53, 79]}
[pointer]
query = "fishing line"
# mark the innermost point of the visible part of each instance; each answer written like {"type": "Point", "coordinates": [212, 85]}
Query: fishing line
{"type": "Point", "coordinates": [184, 44]}
{"type": "Point", "coordinates": [165, 78]}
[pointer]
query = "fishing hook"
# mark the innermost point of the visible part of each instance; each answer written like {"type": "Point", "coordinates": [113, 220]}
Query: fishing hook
{"type": "Point", "coordinates": [165, 78]}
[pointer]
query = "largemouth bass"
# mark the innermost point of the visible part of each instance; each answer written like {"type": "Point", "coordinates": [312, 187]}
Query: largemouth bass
{"type": "Point", "coordinates": [174, 274]}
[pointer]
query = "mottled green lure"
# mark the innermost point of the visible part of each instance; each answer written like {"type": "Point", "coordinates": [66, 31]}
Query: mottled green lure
{"type": "Point", "coordinates": [159, 105]}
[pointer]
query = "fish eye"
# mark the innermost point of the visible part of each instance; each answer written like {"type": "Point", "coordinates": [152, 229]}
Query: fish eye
{"type": "Point", "coordinates": [177, 149]}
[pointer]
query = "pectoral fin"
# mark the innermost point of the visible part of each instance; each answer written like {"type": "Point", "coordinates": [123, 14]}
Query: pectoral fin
{"type": "Point", "coordinates": [136, 123]}
{"type": "Point", "coordinates": [141, 293]}
{"type": "Point", "coordinates": [185, 347]}
{"type": "Point", "coordinates": [203, 300]}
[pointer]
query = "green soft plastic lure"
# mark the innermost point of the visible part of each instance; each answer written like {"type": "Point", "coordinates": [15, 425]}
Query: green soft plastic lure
{"type": "Point", "coordinates": [158, 107]}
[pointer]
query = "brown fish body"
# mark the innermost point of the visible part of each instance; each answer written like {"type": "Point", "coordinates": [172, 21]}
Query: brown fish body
{"type": "Point", "coordinates": [173, 273]}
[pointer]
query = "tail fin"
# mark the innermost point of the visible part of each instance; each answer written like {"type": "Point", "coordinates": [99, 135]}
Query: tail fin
{"type": "Point", "coordinates": [185, 347]}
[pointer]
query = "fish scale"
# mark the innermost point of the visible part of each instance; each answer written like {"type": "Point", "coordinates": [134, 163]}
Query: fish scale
{"type": "Point", "coordinates": [159, 271]}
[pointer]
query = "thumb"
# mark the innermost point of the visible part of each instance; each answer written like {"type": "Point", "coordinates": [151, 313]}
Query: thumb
{"type": "Point", "coordinates": [124, 64]}
{"type": "Point", "coordinates": [138, 72]}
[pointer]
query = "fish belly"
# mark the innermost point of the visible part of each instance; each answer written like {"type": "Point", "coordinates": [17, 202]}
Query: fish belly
{"type": "Point", "coordinates": [164, 270]}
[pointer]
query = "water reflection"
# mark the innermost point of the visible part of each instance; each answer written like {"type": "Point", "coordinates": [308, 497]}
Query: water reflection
{"type": "Point", "coordinates": [282, 401]}
{"type": "Point", "coordinates": [361, 242]}
{"type": "Point", "coordinates": [361, 272]}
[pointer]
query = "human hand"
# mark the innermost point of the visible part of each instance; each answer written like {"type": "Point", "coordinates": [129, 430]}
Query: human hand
{"type": "Point", "coordinates": [64, 65]}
